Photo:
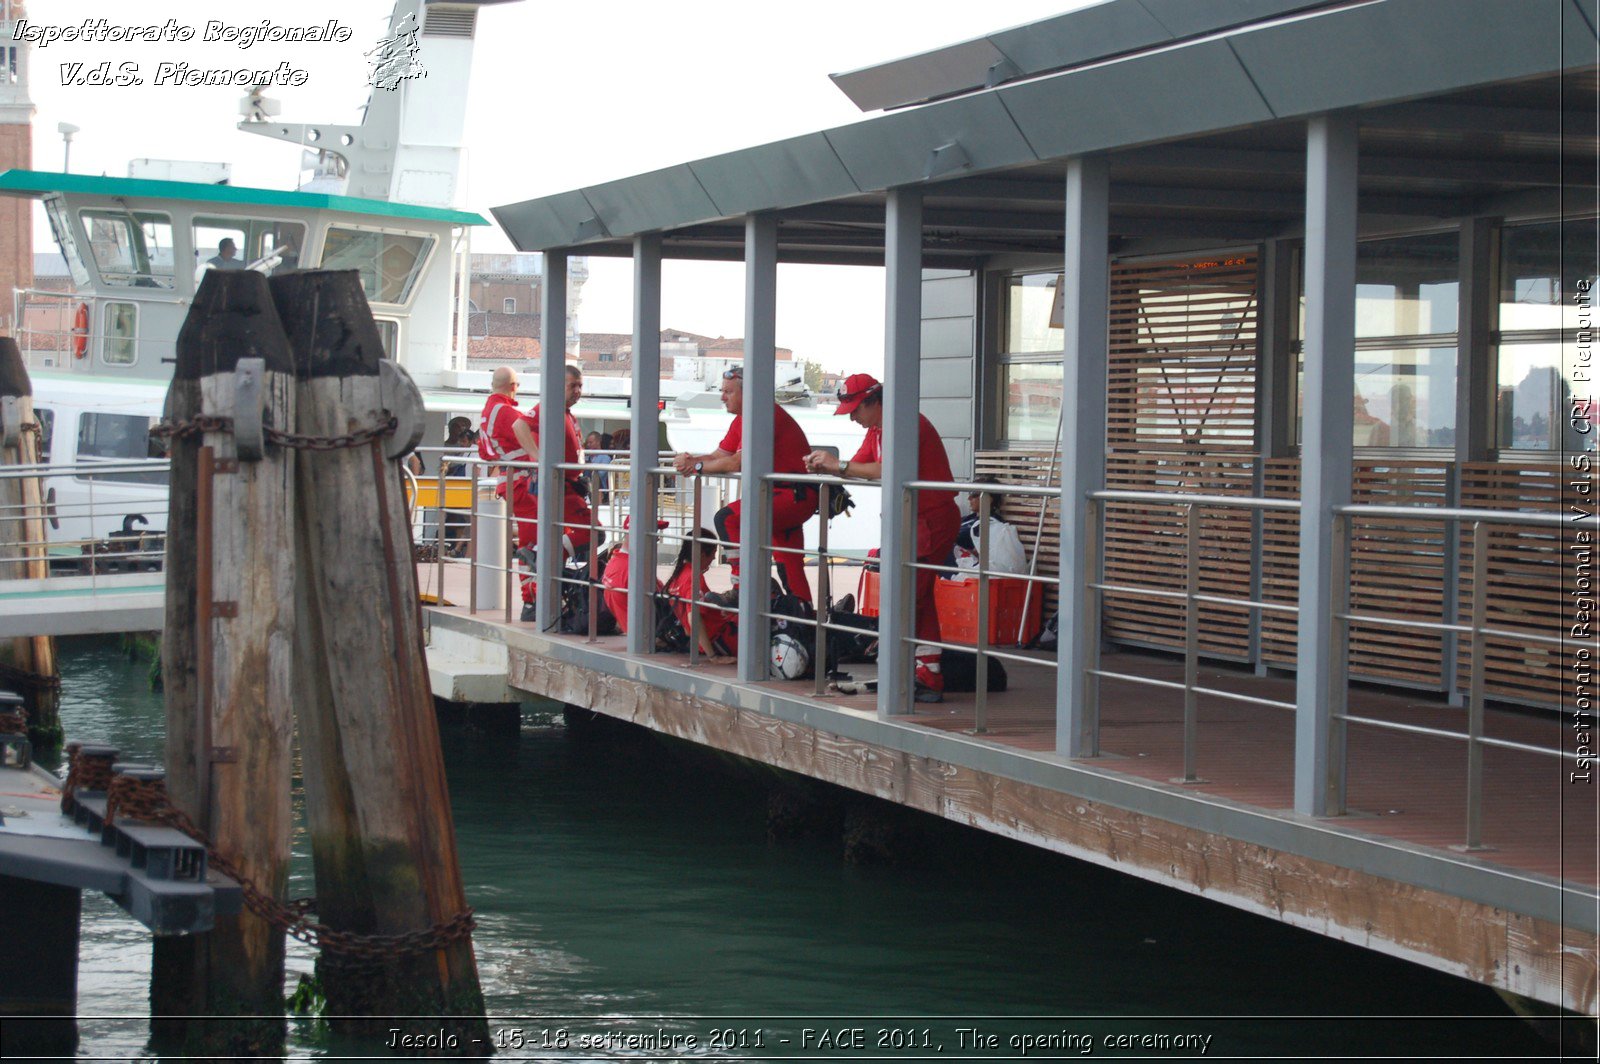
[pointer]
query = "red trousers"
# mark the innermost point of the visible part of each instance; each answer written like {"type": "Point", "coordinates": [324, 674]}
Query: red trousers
{"type": "Point", "coordinates": [525, 508]}
{"type": "Point", "coordinates": [789, 516]}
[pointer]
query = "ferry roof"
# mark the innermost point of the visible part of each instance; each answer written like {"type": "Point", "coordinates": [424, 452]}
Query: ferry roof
{"type": "Point", "coordinates": [41, 182]}
{"type": "Point", "coordinates": [1466, 105]}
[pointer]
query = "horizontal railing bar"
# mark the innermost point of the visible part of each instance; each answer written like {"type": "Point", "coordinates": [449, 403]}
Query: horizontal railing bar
{"type": "Point", "coordinates": [1441, 733]}
{"type": "Point", "coordinates": [1233, 696]}
{"type": "Point", "coordinates": [968, 648]}
{"type": "Point", "coordinates": [1248, 502]}
{"type": "Point", "coordinates": [1488, 517]}
{"type": "Point", "coordinates": [968, 488]}
{"type": "Point", "coordinates": [1150, 681]}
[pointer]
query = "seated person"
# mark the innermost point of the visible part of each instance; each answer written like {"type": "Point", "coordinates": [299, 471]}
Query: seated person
{"type": "Point", "coordinates": [614, 580]}
{"type": "Point", "coordinates": [718, 628]}
{"type": "Point", "coordinates": [1006, 554]}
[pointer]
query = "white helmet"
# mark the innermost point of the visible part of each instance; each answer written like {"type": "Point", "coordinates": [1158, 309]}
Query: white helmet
{"type": "Point", "coordinates": [790, 658]}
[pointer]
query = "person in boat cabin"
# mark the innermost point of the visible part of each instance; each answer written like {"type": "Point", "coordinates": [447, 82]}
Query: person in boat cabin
{"type": "Point", "coordinates": [718, 628]}
{"type": "Point", "coordinates": [614, 581]}
{"type": "Point", "coordinates": [574, 496]}
{"type": "Point", "coordinates": [792, 506]}
{"type": "Point", "coordinates": [227, 256]}
{"type": "Point", "coordinates": [938, 518]}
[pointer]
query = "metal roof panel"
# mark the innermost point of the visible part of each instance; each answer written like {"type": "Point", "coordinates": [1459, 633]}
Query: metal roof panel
{"type": "Point", "coordinates": [658, 200]}
{"type": "Point", "coordinates": [1081, 36]}
{"type": "Point", "coordinates": [787, 173]}
{"type": "Point", "coordinates": [955, 68]}
{"type": "Point", "coordinates": [1404, 48]}
{"type": "Point", "coordinates": [548, 222]}
{"type": "Point", "coordinates": [897, 149]}
{"type": "Point", "coordinates": [1192, 89]}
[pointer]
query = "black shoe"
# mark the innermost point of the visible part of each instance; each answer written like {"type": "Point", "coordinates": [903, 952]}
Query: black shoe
{"type": "Point", "coordinates": [529, 612]}
{"type": "Point", "coordinates": [846, 604]}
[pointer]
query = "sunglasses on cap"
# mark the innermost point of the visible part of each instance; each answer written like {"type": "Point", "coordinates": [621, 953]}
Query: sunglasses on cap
{"type": "Point", "coordinates": [733, 373]}
{"type": "Point", "coordinates": [850, 397]}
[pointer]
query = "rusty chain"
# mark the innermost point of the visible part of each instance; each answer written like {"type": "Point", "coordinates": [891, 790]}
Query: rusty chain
{"type": "Point", "coordinates": [147, 801]}
{"type": "Point", "coordinates": [37, 681]}
{"type": "Point", "coordinates": [203, 423]}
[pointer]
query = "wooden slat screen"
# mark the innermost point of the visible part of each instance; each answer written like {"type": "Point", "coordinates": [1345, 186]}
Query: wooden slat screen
{"type": "Point", "coordinates": [1033, 468]}
{"type": "Point", "coordinates": [1180, 417]}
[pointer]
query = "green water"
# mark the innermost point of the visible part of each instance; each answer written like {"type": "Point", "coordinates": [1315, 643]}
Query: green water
{"type": "Point", "coordinates": [620, 879]}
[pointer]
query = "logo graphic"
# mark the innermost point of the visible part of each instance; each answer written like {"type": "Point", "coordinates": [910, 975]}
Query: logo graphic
{"type": "Point", "coordinates": [395, 60]}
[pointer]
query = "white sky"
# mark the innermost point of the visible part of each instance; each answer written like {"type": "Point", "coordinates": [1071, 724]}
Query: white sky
{"type": "Point", "coordinates": [562, 95]}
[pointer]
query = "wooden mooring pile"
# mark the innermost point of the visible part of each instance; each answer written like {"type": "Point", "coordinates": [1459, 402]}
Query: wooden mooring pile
{"type": "Point", "coordinates": [293, 614]}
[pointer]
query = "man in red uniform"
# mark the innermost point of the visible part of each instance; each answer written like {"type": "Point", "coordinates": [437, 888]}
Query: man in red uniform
{"type": "Point", "coordinates": [575, 504]}
{"type": "Point", "coordinates": [792, 505]}
{"type": "Point", "coordinates": [938, 519]}
{"type": "Point", "coordinates": [498, 442]}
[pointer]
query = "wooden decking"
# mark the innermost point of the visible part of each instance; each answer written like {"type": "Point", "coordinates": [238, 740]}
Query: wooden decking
{"type": "Point", "coordinates": [1402, 786]}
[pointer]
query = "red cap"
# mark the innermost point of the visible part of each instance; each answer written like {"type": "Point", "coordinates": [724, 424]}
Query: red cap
{"type": "Point", "coordinates": [855, 388]}
{"type": "Point", "coordinates": [626, 521]}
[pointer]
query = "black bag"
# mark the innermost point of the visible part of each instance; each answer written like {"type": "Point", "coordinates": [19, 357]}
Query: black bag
{"type": "Point", "coordinates": [575, 605]}
{"type": "Point", "coordinates": [960, 668]}
{"type": "Point", "coordinates": [847, 647]}
{"type": "Point", "coordinates": [839, 503]}
{"type": "Point", "coordinates": [671, 638]}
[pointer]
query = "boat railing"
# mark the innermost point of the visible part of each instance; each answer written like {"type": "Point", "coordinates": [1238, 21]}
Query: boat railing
{"type": "Point", "coordinates": [52, 333]}
{"type": "Point", "coordinates": [33, 548]}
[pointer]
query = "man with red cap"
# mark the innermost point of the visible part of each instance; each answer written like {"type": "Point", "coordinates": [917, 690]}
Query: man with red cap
{"type": "Point", "coordinates": [938, 519]}
{"type": "Point", "coordinates": [792, 505]}
{"type": "Point", "coordinates": [615, 579]}
{"type": "Point", "coordinates": [574, 501]}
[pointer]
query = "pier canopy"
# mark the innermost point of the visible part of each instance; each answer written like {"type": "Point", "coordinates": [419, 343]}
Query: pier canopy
{"type": "Point", "coordinates": [1464, 108]}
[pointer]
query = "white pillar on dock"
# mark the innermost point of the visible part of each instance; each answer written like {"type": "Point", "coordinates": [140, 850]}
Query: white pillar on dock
{"type": "Point", "coordinates": [755, 519]}
{"type": "Point", "coordinates": [1326, 450]}
{"type": "Point", "coordinates": [902, 392]}
{"type": "Point", "coordinates": [552, 434]}
{"type": "Point", "coordinates": [1085, 286]}
{"type": "Point", "coordinates": [642, 455]}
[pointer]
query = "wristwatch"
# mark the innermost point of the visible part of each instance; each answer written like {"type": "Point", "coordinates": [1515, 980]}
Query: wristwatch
{"type": "Point", "coordinates": [699, 467]}
{"type": "Point", "coordinates": [844, 468]}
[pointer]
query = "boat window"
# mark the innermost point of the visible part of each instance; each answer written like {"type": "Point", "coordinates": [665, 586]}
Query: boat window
{"type": "Point", "coordinates": [121, 347]}
{"type": "Point", "coordinates": [121, 438]}
{"type": "Point", "coordinates": [389, 333]}
{"type": "Point", "coordinates": [131, 248]}
{"type": "Point", "coordinates": [270, 246]}
{"type": "Point", "coordinates": [389, 263]}
{"type": "Point", "coordinates": [61, 228]}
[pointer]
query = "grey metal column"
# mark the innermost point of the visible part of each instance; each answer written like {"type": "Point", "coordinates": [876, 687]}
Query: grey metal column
{"type": "Point", "coordinates": [642, 455]}
{"type": "Point", "coordinates": [902, 392]}
{"type": "Point", "coordinates": [755, 518]}
{"type": "Point", "coordinates": [552, 432]}
{"type": "Point", "coordinates": [1475, 410]}
{"type": "Point", "coordinates": [1326, 450]}
{"type": "Point", "coordinates": [1086, 297]}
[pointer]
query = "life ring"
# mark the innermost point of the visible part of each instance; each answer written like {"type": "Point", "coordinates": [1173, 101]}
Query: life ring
{"type": "Point", "coordinates": [80, 331]}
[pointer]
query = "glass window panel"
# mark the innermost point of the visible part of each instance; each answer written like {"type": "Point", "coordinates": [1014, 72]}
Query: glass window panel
{"type": "Point", "coordinates": [121, 347]}
{"type": "Point", "coordinates": [1034, 314]}
{"type": "Point", "coordinates": [131, 248]}
{"type": "Point", "coordinates": [1540, 267]}
{"type": "Point", "coordinates": [120, 438]}
{"type": "Point", "coordinates": [1033, 401]}
{"type": "Point", "coordinates": [1533, 396]}
{"type": "Point", "coordinates": [1408, 287]}
{"type": "Point", "coordinates": [388, 262]}
{"type": "Point", "coordinates": [47, 430]}
{"type": "Point", "coordinates": [1406, 397]}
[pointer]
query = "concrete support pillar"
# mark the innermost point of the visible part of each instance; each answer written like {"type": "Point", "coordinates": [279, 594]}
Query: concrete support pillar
{"type": "Point", "coordinates": [1326, 452]}
{"type": "Point", "coordinates": [902, 395]}
{"type": "Point", "coordinates": [1086, 297]}
{"type": "Point", "coordinates": [755, 519]}
{"type": "Point", "coordinates": [552, 433]}
{"type": "Point", "coordinates": [642, 456]}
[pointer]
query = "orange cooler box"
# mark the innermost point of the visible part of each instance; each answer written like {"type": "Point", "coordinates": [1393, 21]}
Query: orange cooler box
{"type": "Point", "coordinates": [957, 603]}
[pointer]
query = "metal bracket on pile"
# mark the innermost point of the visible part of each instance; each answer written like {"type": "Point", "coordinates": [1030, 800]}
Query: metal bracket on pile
{"type": "Point", "coordinates": [10, 421]}
{"type": "Point", "coordinates": [249, 432]}
{"type": "Point", "coordinates": [399, 395]}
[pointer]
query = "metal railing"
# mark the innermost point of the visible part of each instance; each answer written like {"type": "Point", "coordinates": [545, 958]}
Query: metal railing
{"type": "Point", "coordinates": [1191, 596]}
{"type": "Point", "coordinates": [1476, 629]}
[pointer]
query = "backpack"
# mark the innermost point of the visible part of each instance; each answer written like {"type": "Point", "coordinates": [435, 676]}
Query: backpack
{"type": "Point", "coordinates": [575, 604]}
{"type": "Point", "coordinates": [960, 668]}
